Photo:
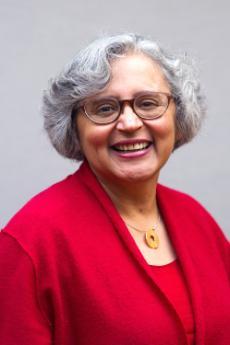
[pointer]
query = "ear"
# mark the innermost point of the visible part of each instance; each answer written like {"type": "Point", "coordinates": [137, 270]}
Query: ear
{"type": "Point", "coordinates": [179, 135]}
{"type": "Point", "coordinates": [74, 124]}
{"type": "Point", "coordinates": [178, 138]}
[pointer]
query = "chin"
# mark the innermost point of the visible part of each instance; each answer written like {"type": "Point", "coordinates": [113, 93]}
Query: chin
{"type": "Point", "coordinates": [137, 176]}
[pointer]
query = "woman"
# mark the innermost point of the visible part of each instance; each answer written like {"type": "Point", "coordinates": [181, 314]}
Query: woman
{"type": "Point", "coordinates": [109, 256]}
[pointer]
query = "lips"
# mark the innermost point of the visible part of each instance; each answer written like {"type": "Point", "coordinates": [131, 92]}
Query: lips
{"type": "Point", "coordinates": [131, 146]}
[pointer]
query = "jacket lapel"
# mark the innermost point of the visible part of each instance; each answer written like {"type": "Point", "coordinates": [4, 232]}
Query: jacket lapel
{"type": "Point", "coordinates": [180, 227]}
{"type": "Point", "coordinates": [177, 224]}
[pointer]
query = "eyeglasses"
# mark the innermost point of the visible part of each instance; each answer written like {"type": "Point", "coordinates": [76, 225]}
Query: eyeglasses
{"type": "Point", "coordinates": [147, 105]}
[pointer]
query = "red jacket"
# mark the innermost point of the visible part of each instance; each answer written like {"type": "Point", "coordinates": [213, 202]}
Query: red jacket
{"type": "Point", "coordinates": [71, 274]}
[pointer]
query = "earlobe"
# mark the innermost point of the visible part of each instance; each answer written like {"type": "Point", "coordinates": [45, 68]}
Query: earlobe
{"type": "Point", "coordinates": [75, 128]}
{"type": "Point", "coordinates": [80, 153]}
{"type": "Point", "coordinates": [178, 138]}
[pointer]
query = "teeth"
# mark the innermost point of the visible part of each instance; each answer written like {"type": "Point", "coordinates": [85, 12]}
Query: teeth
{"type": "Point", "coordinates": [131, 147]}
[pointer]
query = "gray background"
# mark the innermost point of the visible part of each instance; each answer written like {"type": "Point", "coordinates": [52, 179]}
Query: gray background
{"type": "Point", "coordinates": [39, 37]}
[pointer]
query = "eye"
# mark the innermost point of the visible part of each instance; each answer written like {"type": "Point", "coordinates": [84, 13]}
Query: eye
{"type": "Point", "coordinates": [104, 108]}
{"type": "Point", "coordinates": [148, 103]}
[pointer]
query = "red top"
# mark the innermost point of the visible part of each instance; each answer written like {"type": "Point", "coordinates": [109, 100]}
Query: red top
{"type": "Point", "coordinates": [171, 280]}
{"type": "Point", "coordinates": [71, 273]}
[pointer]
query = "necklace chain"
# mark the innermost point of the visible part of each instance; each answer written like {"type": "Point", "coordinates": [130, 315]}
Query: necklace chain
{"type": "Point", "coordinates": [143, 231]}
{"type": "Point", "coordinates": [151, 237]}
{"type": "Point", "coordinates": [155, 226]}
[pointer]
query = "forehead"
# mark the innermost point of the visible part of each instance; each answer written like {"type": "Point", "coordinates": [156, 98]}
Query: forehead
{"type": "Point", "coordinates": [136, 73]}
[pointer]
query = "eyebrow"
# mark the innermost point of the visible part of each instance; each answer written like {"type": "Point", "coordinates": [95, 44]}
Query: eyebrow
{"type": "Point", "coordinates": [134, 95]}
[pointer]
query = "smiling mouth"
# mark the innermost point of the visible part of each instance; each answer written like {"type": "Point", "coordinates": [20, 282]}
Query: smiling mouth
{"type": "Point", "coordinates": [131, 147]}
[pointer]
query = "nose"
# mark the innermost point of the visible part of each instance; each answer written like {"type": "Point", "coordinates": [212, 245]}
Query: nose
{"type": "Point", "coordinates": [128, 120]}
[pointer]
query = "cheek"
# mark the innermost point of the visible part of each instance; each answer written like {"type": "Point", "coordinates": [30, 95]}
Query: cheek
{"type": "Point", "coordinates": [91, 136]}
{"type": "Point", "coordinates": [164, 129]}
{"type": "Point", "coordinates": [98, 137]}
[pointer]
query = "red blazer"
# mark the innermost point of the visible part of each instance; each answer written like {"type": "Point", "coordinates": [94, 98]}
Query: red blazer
{"type": "Point", "coordinates": [71, 274]}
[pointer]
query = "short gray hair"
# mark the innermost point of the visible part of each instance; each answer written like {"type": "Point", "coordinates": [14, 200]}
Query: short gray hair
{"type": "Point", "coordinates": [89, 72]}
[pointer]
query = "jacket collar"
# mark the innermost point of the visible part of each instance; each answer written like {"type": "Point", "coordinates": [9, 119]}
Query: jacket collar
{"type": "Point", "coordinates": [179, 226]}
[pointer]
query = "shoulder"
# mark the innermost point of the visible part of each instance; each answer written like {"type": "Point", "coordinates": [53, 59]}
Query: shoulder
{"type": "Point", "coordinates": [47, 211]}
{"type": "Point", "coordinates": [56, 213]}
{"type": "Point", "coordinates": [180, 200]}
{"type": "Point", "coordinates": [175, 194]}
{"type": "Point", "coordinates": [187, 209]}
{"type": "Point", "coordinates": [48, 201]}
{"type": "Point", "coordinates": [198, 224]}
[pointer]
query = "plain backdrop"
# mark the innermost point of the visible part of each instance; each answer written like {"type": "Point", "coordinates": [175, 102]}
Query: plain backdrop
{"type": "Point", "coordinates": [38, 37]}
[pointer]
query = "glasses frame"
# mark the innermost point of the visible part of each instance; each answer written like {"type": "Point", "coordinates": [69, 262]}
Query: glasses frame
{"type": "Point", "coordinates": [131, 103]}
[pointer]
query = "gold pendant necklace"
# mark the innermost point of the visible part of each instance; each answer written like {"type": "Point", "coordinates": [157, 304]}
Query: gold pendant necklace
{"type": "Point", "coordinates": [151, 236]}
{"type": "Point", "coordinates": [152, 239]}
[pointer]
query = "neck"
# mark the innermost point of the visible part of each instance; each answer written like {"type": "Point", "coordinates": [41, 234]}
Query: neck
{"type": "Point", "coordinates": [136, 201]}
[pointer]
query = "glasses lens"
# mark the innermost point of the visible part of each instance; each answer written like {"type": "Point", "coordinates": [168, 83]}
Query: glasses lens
{"type": "Point", "coordinates": [102, 110]}
{"type": "Point", "coordinates": [151, 105]}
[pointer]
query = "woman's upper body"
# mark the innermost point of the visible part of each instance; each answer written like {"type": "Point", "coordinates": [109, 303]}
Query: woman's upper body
{"type": "Point", "coordinates": [124, 105]}
{"type": "Point", "coordinates": [71, 272]}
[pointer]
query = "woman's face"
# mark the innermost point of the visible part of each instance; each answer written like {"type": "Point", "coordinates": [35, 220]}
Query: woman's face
{"type": "Point", "coordinates": [108, 148]}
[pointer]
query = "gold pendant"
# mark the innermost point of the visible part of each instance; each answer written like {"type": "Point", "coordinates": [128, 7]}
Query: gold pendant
{"type": "Point", "coordinates": [152, 239]}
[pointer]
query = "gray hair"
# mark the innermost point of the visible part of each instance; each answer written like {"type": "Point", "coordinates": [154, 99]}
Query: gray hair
{"type": "Point", "coordinates": [89, 72]}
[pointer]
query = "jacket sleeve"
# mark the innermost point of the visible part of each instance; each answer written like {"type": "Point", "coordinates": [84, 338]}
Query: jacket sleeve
{"type": "Point", "coordinates": [21, 318]}
{"type": "Point", "coordinates": [223, 244]}
{"type": "Point", "coordinates": [226, 253]}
